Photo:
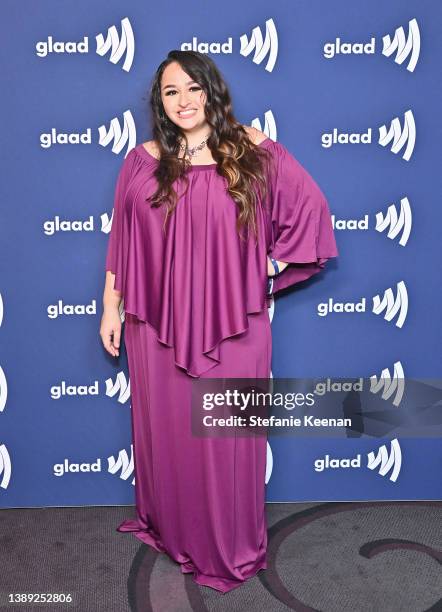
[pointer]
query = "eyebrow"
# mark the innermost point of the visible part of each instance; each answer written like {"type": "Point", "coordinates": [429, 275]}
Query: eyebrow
{"type": "Point", "coordinates": [171, 85]}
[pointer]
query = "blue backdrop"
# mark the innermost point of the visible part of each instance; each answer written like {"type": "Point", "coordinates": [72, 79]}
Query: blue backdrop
{"type": "Point", "coordinates": [352, 89]}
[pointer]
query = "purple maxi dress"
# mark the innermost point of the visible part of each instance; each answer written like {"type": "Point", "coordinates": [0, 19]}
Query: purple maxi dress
{"type": "Point", "coordinates": [196, 306]}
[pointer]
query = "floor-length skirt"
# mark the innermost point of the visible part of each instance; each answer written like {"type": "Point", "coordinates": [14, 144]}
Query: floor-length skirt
{"type": "Point", "coordinates": [201, 500]}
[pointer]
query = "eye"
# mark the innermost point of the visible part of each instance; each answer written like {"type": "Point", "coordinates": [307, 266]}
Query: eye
{"type": "Point", "coordinates": [197, 87]}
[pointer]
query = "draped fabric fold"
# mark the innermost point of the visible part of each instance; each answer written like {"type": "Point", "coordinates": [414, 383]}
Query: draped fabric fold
{"type": "Point", "coordinates": [196, 283]}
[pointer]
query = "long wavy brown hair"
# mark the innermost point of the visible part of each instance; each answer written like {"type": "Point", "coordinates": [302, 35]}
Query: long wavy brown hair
{"type": "Point", "coordinates": [238, 159]}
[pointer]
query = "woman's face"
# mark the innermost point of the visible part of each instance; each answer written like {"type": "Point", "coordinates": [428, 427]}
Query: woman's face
{"type": "Point", "coordinates": [183, 99]}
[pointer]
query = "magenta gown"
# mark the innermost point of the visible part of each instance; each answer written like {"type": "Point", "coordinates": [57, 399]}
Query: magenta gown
{"type": "Point", "coordinates": [196, 306]}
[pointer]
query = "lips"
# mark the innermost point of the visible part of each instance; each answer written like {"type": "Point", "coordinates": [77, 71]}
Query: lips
{"type": "Point", "coordinates": [188, 113]}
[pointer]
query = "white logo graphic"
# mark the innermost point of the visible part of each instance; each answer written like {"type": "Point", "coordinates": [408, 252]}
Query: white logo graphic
{"type": "Point", "coordinates": [388, 384]}
{"type": "Point", "coordinates": [269, 125]}
{"type": "Point", "coordinates": [396, 223]}
{"type": "Point", "coordinates": [350, 224]}
{"type": "Point", "coordinates": [1, 309]}
{"type": "Point", "coordinates": [106, 222]}
{"type": "Point", "coordinates": [118, 137]}
{"type": "Point", "coordinates": [64, 389]}
{"type": "Point", "coordinates": [121, 386]}
{"type": "Point", "coordinates": [60, 469]}
{"type": "Point", "coordinates": [387, 462]}
{"type": "Point", "coordinates": [269, 463]}
{"type": "Point", "coordinates": [400, 136]}
{"type": "Point", "coordinates": [59, 309]}
{"type": "Point", "coordinates": [208, 47]}
{"type": "Point", "coordinates": [271, 308]}
{"type": "Point", "coordinates": [50, 227]}
{"type": "Point", "coordinates": [119, 46]}
{"type": "Point", "coordinates": [122, 463]}
{"type": "Point", "coordinates": [404, 47]}
{"type": "Point", "coordinates": [393, 305]}
{"type": "Point", "coordinates": [3, 390]}
{"type": "Point", "coordinates": [260, 47]}
{"type": "Point", "coordinates": [5, 467]}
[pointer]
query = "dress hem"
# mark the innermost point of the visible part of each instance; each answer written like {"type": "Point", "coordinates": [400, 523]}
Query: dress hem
{"type": "Point", "coordinates": [224, 585]}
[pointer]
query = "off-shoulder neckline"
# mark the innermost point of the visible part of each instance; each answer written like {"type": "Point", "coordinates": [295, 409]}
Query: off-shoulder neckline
{"type": "Point", "coordinates": [141, 149]}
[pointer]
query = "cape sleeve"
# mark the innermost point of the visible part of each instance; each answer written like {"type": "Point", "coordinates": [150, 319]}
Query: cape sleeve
{"type": "Point", "coordinates": [301, 228]}
{"type": "Point", "coordinates": [118, 243]}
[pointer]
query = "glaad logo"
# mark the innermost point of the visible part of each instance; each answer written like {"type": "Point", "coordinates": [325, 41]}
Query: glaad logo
{"type": "Point", "coordinates": [388, 302]}
{"type": "Point", "coordinates": [118, 45]}
{"type": "Point", "coordinates": [63, 389]}
{"type": "Point", "coordinates": [3, 390]}
{"type": "Point", "coordinates": [115, 135]}
{"type": "Point", "coordinates": [388, 384]}
{"type": "Point", "coordinates": [119, 137]}
{"type": "Point", "coordinates": [122, 464]}
{"type": "Point", "coordinates": [56, 310]}
{"type": "Point", "coordinates": [60, 469]}
{"type": "Point", "coordinates": [120, 386]}
{"type": "Point", "coordinates": [262, 47]}
{"type": "Point", "coordinates": [269, 125]}
{"type": "Point", "coordinates": [391, 221]}
{"type": "Point", "coordinates": [403, 47]}
{"type": "Point", "coordinates": [387, 462]}
{"type": "Point", "coordinates": [55, 225]}
{"type": "Point", "coordinates": [393, 305]}
{"type": "Point", "coordinates": [350, 224]}
{"type": "Point", "coordinates": [395, 223]}
{"type": "Point", "coordinates": [106, 222]}
{"type": "Point", "coordinates": [208, 47]}
{"type": "Point", "coordinates": [400, 137]}
{"type": "Point", "coordinates": [5, 467]}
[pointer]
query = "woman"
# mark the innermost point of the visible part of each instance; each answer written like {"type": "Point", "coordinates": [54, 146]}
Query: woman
{"type": "Point", "coordinates": [200, 212]}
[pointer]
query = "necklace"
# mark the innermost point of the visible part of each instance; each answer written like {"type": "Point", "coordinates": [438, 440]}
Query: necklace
{"type": "Point", "coordinates": [192, 151]}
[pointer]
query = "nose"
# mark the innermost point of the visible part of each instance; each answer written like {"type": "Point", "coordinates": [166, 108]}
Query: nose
{"type": "Point", "coordinates": [184, 99]}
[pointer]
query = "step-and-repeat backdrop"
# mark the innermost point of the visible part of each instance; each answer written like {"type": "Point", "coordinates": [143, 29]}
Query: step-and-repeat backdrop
{"type": "Point", "coordinates": [352, 89]}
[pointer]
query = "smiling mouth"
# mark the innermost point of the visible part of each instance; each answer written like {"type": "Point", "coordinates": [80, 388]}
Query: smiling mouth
{"type": "Point", "coordinates": [187, 113]}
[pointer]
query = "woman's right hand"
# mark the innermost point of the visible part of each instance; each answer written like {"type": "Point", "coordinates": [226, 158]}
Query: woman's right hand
{"type": "Point", "coordinates": [110, 330]}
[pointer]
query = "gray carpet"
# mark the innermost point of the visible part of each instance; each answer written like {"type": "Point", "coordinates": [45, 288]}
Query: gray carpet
{"type": "Point", "coordinates": [333, 557]}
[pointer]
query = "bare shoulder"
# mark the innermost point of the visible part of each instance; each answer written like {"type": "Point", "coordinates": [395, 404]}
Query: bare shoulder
{"type": "Point", "coordinates": [152, 148]}
{"type": "Point", "coordinates": [256, 136]}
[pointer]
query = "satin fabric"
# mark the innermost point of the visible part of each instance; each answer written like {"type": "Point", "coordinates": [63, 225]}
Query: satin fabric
{"type": "Point", "coordinates": [161, 274]}
{"type": "Point", "coordinates": [200, 500]}
{"type": "Point", "coordinates": [196, 306]}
